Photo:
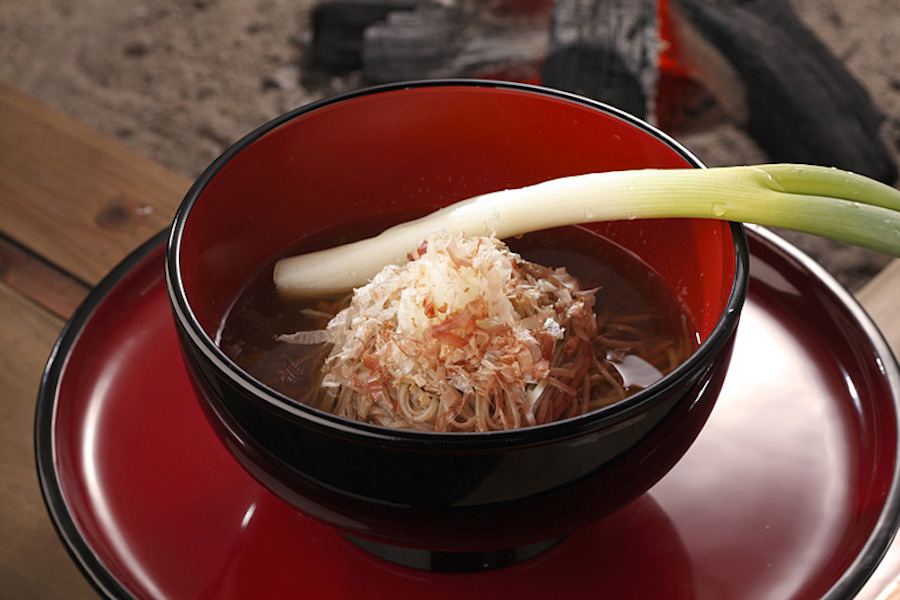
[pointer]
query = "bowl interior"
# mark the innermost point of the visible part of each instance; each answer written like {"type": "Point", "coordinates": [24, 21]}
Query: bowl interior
{"type": "Point", "coordinates": [399, 152]}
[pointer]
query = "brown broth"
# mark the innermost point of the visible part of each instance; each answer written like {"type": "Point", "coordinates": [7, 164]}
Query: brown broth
{"type": "Point", "coordinates": [627, 286]}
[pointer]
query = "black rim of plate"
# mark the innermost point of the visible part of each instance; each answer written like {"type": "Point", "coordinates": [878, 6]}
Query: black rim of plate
{"type": "Point", "coordinates": [97, 574]}
{"type": "Point", "coordinates": [854, 578]}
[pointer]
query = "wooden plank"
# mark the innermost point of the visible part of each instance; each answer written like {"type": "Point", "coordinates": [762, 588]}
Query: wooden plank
{"type": "Point", "coordinates": [75, 197]}
{"type": "Point", "coordinates": [39, 281]}
{"type": "Point", "coordinates": [33, 562]}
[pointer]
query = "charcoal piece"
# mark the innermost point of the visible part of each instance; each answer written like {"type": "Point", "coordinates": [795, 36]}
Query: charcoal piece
{"type": "Point", "coordinates": [801, 104]}
{"type": "Point", "coordinates": [598, 73]}
{"type": "Point", "coordinates": [607, 50]}
{"type": "Point", "coordinates": [412, 45]}
{"type": "Point", "coordinates": [338, 27]}
{"type": "Point", "coordinates": [443, 41]}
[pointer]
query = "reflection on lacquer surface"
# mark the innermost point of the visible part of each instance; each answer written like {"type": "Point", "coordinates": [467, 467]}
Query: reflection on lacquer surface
{"type": "Point", "coordinates": [792, 448]}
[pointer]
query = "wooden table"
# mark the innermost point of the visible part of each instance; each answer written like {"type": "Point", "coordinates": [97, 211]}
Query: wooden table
{"type": "Point", "coordinates": [73, 203]}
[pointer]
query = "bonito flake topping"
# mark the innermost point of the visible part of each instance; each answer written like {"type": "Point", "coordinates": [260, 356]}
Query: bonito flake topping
{"type": "Point", "coordinates": [462, 337]}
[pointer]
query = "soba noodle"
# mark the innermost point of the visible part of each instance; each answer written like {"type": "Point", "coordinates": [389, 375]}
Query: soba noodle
{"type": "Point", "coordinates": [468, 336]}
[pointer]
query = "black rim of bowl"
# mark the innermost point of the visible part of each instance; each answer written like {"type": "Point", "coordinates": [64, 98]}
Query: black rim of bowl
{"type": "Point", "coordinates": [442, 441]}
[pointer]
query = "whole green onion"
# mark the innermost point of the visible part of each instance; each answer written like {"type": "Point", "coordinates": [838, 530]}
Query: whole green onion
{"type": "Point", "coordinates": [824, 201]}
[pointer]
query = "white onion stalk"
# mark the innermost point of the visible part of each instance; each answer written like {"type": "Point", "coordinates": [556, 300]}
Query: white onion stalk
{"type": "Point", "coordinates": [824, 201]}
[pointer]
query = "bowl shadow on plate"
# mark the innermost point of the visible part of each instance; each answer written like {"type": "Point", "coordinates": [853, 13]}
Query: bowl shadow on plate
{"type": "Point", "coordinates": [641, 535]}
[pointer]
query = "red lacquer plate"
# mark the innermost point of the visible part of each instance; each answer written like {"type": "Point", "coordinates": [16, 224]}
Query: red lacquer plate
{"type": "Point", "coordinates": [791, 490]}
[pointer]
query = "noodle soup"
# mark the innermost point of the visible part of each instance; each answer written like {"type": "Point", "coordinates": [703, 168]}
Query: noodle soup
{"type": "Point", "coordinates": [642, 333]}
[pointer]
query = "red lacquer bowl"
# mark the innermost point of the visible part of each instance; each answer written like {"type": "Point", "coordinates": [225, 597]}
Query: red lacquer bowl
{"type": "Point", "coordinates": [431, 500]}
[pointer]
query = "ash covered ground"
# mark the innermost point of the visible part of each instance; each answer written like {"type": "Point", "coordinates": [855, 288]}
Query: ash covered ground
{"type": "Point", "coordinates": [181, 80]}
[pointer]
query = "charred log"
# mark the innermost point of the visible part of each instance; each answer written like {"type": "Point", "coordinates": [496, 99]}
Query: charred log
{"type": "Point", "coordinates": [338, 28]}
{"type": "Point", "coordinates": [767, 72]}
{"type": "Point", "coordinates": [439, 42]}
{"type": "Point", "coordinates": [607, 50]}
{"type": "Point", "coordinates": [800, 102]}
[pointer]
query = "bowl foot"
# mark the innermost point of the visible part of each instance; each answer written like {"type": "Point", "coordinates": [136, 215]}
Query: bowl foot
{"type": "Point", "coordinates": [451, 561]}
